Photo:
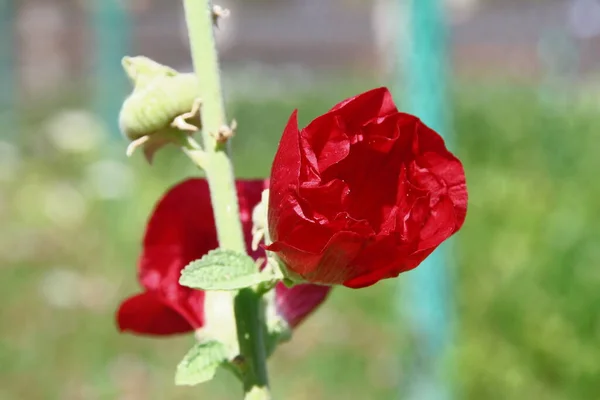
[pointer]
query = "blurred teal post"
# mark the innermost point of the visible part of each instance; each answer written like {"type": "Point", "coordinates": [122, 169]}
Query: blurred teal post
{"type": "Point", "coordinates": [112, 33]}
{"type": "Point", "coordinates": [8, 78]}
{"type": "Point", "coordinates": [425, 299]}
{"type": "Point", "coordinates": [559, 56]}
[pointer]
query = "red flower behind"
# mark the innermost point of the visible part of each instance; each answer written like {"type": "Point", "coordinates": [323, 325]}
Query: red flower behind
{"type": "Point", "coordinates": [363, 193]}
{"type": "Point", "coordinates": [180, 230]}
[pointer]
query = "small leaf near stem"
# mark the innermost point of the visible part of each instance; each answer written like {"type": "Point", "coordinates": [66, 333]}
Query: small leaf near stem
{"type": "Point", "coordinates": [223, 270]}
{"type": "Point", "coordinates": [200, 364]}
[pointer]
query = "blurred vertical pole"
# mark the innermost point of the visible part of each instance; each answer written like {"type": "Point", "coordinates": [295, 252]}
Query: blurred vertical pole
{"type": "Point", "coordinates": [559, 57]}
{"type": "Point", "coordinates": [112, 34]}
{"type": "Point", "coordinates": [425, 298]}
{"type": "Point", "coordinates": [8, 79]}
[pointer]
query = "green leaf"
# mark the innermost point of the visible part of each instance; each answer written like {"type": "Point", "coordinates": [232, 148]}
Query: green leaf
{"type": "Point", "coordinates": [200, 363]}
{"type": "Point", "coordinates": [222, 270]}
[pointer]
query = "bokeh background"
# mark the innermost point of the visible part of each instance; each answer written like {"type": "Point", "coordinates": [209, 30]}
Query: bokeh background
{"type": "Point", "coordinates": [523, 99]}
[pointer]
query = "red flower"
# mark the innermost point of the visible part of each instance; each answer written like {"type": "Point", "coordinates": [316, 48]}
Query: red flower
{"type": "Point", "coordinates": [181, 230]}
{"type": "Point", "coordinates": [363, 193]}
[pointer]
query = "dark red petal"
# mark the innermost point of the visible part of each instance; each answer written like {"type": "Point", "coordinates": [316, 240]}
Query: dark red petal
{"type": "Point", "coordinates": [330, 265]}
{"type": "Point", "coordinates": [372, 277]}
{"type": "Point", "coordinates": [366, 280]}
{"type": "Point", "coordinates": [382, 133]}
{"type": "Point", "coordinates": [459, 196]}
{"type": "Point", "coordinates": [440, 225]}
{"type": "Point", "coordinates": [325, 200]}
{"type": "Point", "coordinates": [323, 143]}
{"type": "Point", "coordinates": [327, 140]}
{"type": "Point", "coordinates": [181, 229]}
{"type": "Point", "coordinates": [372, 181]}
{"type": "Point", "coordinates": [296, 303]}
{"type": "Point", "coordinates": [146, 314]}
{"type": "Point", "coordinates": [440, 173]}
{"type": "Point", "coordinates": [436, 158]}
{"type": "Point", "coordinates": [382, 258]}
{"type": "Point", "coordinates": [358, 110]}
{"type": "Point", "coordinates": [160, 266]}
{"type": "Point", "coordinates": [284, 173]}
{"type": "Point", "coordinates": [296, 225]}
{"type": "Point", "coordinates": [189, 303]}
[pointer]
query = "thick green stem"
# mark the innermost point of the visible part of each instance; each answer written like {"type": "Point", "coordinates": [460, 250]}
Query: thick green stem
{"type": "Point", "coordinates": [250, 318]}
{"type": "Point", "coordinates": [249, 310]}
{"type": "Point", "coordinates": [219, 170]}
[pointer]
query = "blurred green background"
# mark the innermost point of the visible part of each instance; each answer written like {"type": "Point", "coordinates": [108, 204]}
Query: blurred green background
{"type": "Point", "coordinates": [527, 276]}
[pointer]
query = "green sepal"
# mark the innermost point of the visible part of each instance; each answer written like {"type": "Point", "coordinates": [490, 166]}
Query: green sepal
{"type": "Point", "coordinates": [288, 283]}
{"type": "Point", "coordinates": [222, 270]}
{"type": "Point", "coordinates": [200, 364]}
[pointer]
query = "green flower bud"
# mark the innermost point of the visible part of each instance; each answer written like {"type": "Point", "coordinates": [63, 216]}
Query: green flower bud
{"type": "Point", "coordinates": [162, 107]}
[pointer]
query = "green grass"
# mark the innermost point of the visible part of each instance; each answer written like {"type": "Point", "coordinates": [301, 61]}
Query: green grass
{"type": "Point", "coordinates": [527, 276]}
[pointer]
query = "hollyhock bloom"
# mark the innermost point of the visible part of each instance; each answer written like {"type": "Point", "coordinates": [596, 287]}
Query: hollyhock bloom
{"type": "Point", "coordinates": [180, 230]}
{"type": "Point", "coordinates": [361, 194]}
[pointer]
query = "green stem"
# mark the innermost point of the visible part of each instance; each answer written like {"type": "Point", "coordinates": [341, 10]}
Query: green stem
{"type": "Point", "coordinates": [250, 319]}
{"type": "Point", "coordinates": [249, 308]}
{"type": "Point", "coordinates": [219, 170]}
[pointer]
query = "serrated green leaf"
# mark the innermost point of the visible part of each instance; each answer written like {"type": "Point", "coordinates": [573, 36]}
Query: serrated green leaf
{"type": "Point", "coordinates": [222, 270]}
{"type": "Point", "coordinates": [200, 364]}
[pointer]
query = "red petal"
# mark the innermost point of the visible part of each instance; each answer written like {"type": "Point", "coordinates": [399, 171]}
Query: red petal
{"type": "Point", "coordinates": [284, 173]}
{"type": "Point", "coordinates": [359, 109]}
{"type": "Point", "coordinates": [324, 143]}
{"type": "Point", "coordinates": [436, 158]}
{"type": "Point", "coordinates": [330, 266]}
{"type": "Point", "coordinates": [146, 314]}
{"type": "Point", "coordinates": [296, 303]}
{"type": "Point", "coordinates": [440, 225]}
{"type": "Point", "coordinates": [382, 258]}
{"type": "Point", "coordinates": [181, 229]}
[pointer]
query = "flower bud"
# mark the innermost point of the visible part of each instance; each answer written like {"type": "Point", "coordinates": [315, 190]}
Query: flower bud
{"type": "Point", "coordinates": [162, 108]}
